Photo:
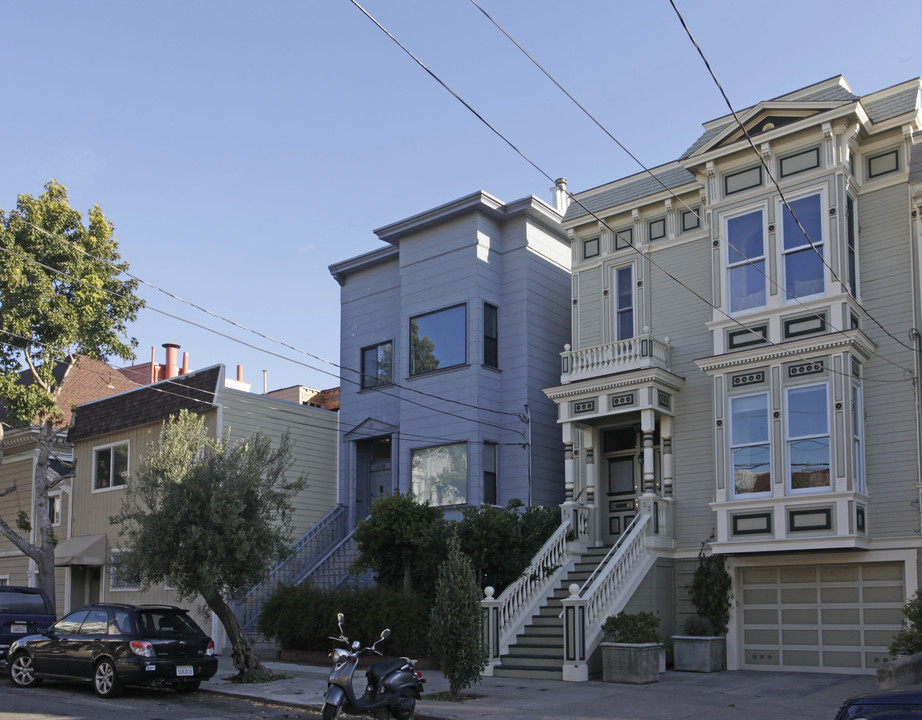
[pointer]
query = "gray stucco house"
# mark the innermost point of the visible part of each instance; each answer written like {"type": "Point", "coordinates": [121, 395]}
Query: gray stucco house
{"type": "Point", "coordinates": [449, 333]}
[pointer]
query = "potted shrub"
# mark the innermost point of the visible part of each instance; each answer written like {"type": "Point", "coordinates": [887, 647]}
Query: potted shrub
{"type": "Point", "coordinates": [702, 647]}
{"type": "Point", "coordinates": [631, 650]}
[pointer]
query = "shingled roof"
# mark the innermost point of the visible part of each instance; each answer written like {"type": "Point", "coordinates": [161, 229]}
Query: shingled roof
{"type": "Point", "coordinates": [82, 382]}
{"type": "Point", "coordinates": [149, 404]}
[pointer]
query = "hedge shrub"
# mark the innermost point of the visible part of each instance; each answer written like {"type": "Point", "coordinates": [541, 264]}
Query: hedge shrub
{"type": "Point", "coordinates": [304, 617]}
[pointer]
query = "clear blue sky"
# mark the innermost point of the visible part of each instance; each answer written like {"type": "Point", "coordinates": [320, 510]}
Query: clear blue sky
{"type": "Point", "coordinates": [241, 148]}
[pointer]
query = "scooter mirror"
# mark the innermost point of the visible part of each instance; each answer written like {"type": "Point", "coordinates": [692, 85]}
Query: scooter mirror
{"type": "Point", "coordinates": [385, 634]}
{"type": "Point", "coordinates": [339, 618]}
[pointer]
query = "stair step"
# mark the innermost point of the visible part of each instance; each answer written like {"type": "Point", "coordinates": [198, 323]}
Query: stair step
{"type": "Point", "coordinates": [533, 661]}
{"type": "Point", "coordinates": [527, 673]}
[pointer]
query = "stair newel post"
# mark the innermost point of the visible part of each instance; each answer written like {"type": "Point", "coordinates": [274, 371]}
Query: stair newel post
{"type": "Point", "coordinates": [491, 628]}
{"type": "Point", "coordinates": [575, 667]}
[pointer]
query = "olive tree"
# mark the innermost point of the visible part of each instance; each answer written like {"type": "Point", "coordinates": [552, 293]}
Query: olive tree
{"type": "Point", "coordinates": [210, 517]}
{"type": "Point", "coordinates": [61, 297]}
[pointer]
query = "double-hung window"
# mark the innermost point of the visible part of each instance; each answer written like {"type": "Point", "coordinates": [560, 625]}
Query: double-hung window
{"type": "Point", "coordinates": [624, 302]}
{"type": "Point", "coordinates": [802, 247]}
{"type": "Point", "coordinates": [437, 340]}
{"type": "Point", "coordinates": [110, 466]}
{"type": "Point", "coordinates": [746, 272]}
{"type": "Point", "coordinates": [808, 455]}
{"type": "Point", "coordinates": [750, 444]}
{"type": "Point", "coordinates": [377, 365]}
{"type": "Point", "coordinates": [851, 234]}
{"type": "Point", "coordinates": [857, 435]}
{"type": "Point", "coordinates": [489, 473]}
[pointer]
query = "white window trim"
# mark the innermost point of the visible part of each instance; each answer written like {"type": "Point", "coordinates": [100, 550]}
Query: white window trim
{"type": "Point", "coordinates": [731, 447]}
{"type": "Point", "coordinates": [4, 579]}
{"type": "Point", "coordinates": [822, 243]}
{"type": "Point", "coordinates": [766, 270]}
{"type": "Point", "coordinates": [790, 491]}
{"type": "Point", "coordinates": [615, 310]}
{"type": "Point", "coordinates": [857, 438]}
{"type": "Point", "coordinates": [56, 496]}
{"type": "Point", "coordinates": [127, 444]}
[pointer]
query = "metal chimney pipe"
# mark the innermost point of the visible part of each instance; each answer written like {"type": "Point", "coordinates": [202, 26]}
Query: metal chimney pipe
{"type": "Point", "coordinates": [240, 373]}
{"type": "Point", "coordinates": [171, 370]}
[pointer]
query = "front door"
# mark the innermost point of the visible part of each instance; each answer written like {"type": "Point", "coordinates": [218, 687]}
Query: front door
{"type": "Point", "coordinates": [374, 473]}
{"type": "Point", "coordinates": [620, 493]}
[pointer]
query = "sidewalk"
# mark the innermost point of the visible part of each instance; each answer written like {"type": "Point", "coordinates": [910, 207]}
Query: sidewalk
{"type": "Point", "coordinates": [738, 695]}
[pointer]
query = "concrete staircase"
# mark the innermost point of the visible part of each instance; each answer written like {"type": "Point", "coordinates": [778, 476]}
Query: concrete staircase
{"type": "Point", "coordinates": [537, 652]}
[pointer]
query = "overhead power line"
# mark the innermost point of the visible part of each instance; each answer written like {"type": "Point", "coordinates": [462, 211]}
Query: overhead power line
{"type": "Point", "coordinates": [576, 200]}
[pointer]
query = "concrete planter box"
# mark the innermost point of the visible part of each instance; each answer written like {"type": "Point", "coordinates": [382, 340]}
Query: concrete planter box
{"type": "Point", "coordinates": [633, 664]}
{"type": "Point", "coordinates": [692, 653]}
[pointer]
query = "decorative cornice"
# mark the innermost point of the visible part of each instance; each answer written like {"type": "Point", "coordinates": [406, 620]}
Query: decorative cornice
{"type": "Point", "coordinates": [654, 376]}
{"type": "Point", "coordinates": [847, 339]}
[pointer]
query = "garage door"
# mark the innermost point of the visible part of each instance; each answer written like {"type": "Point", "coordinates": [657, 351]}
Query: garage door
{"type": "Point", "coordinates": [826, 618]}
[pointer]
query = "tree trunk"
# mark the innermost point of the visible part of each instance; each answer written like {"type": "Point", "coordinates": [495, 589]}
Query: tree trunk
{"type": "Point", "coordinates": [44, 531]}
{"type": "Point", "coordinates": [246, 661]}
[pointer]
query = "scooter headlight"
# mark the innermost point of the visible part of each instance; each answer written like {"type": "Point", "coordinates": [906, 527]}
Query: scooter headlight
{"type": "Point", "coordinates": [339, 655]}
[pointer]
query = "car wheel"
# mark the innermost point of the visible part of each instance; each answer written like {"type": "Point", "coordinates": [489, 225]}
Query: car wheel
{"type": "Point", "coordinates": [187, 687]}
{"type": "Point", "coordinates": [22, 672]}
{"type": "Point", "coordinates": [105, 679]}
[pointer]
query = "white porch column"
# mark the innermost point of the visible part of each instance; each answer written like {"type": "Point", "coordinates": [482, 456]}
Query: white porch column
{"type": "Point", "coordinates": [647, 423]}
{"type": "Point", "coordinates": [569, 471]}
{"type": "Point", "coordinates": [665, 432]}
{"type": "Point", "coordinates": [590, 466]}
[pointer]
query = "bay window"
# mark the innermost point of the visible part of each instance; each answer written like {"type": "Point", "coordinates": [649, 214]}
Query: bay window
{"type": "Point", "coordinates": [807, 430]}
{"type": "Point", "coordinates": [802, 262]}
{"type": "Point", "coordinates": [750, 444]}
{"type": "Point", "coordinates": [746, 275]}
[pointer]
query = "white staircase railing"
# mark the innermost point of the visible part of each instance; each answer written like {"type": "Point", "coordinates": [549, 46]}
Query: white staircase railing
{"type": "Point", "coordinates": [506, 615]}
{"type": "Point", "coordinates": [605, 593]}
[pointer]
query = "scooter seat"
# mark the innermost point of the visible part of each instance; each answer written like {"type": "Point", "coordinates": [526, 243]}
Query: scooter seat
{"type": "Point", "coordinates": [381, 669]}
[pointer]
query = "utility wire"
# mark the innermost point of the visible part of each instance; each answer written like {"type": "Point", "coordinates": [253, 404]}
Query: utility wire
{"type": "Point", "coordinates": [577, 201]}
{"type": "Point", "coordinates": [166, 387]}
{"type": "Point", "coordinates": [775, 182]}
{"type": "Point", "coordinates": [715, 231]}
{"type": "Point", "coordinates": [519, 417]}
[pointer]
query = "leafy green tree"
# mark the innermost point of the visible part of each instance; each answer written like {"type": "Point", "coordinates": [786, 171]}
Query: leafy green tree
{"type": "Point", "coordinates": [908, 641]}
{"type": "Point", "coordinates": [61, 296]}
{"type": "Point", "coordinates": [210, 517]}
{"type": "Point", "coordinates": [501, 541]}
{"type": "Point", "coordinates": [456, 621]}
{"type": "Point", "coordinates": [402, 541]}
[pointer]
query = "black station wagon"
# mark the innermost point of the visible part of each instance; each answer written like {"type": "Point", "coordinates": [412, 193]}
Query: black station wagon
{"type": "Point", "coordinates": [23, 611]}
{"type": "Point", "coordinates": [112, 645]}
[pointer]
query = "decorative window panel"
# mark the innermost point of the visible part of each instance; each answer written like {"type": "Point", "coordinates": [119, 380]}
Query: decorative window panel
{"type": "Point", "coordinates": [743, 180]}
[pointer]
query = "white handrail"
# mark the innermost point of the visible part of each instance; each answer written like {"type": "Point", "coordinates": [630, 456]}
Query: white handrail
{"type": "Point", "coordinates": [533, 584]}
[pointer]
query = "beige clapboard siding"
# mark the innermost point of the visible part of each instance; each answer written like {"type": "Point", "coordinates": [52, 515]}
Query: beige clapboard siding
{"type": "Point", "coordinates": [314, 439]}
{"type": "Point", "coordinates": [890, 426]}
{"type": "Point", "coordinates": [679, 315]}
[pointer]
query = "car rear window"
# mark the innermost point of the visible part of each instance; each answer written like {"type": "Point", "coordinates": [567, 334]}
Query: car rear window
{"type": "Point", "coordinates": [167, 622]}
{"type": "Point", "coordinates": [22, 602]}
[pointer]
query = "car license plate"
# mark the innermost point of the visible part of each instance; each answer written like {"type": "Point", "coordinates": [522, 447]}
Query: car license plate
{"type": "Point", "coordinates": [184, 671]}
{"type": "Point", "coordinates": [18, 629]}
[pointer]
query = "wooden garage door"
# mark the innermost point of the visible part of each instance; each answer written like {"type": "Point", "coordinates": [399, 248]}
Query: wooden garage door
{"type": "Point", "coordinates": [827, 618]}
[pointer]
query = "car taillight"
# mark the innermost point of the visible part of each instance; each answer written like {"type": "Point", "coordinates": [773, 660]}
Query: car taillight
{"type": "Point", "coordinates": [210, 650]}
{"type": "Point", "coordinates": [142, 648]}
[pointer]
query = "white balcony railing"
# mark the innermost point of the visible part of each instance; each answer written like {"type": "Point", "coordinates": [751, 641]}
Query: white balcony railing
{"type": "Point", "coordinates": [638, 353]}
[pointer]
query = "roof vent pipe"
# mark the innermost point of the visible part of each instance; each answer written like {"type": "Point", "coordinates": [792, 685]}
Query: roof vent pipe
{"type": "Point", "coordinates": [240, 373]}
{"type": "Point", "coordinates": [185, 364]}
{"type": "Point", "coordinates": [561, 197]}
{"type": "Point", "coordinates": [171, 370]}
